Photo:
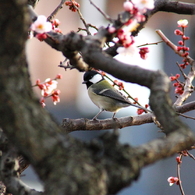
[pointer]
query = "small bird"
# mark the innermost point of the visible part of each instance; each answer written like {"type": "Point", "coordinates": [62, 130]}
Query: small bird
{"type": "Point", "coordinates": [104, 95]}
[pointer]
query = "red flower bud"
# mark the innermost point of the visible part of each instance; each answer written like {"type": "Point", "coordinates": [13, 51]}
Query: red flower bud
{"type": "Point", "coordinates": [178, 32]}
{"type": "Point", "coordinates": [180, 42]}
{"type": "Point", "coordinates": [177, 76]}
{"type": "Point", "coordinates": [185, 38]}
{"type": "Point", "coordinates": [178, 159]}
{"type": "Point", "coordinates": [58, 76]}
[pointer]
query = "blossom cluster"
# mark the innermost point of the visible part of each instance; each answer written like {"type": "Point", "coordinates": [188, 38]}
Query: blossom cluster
{"type": "Point", "coordinates": [141, 111]}
{"type": "Point", "coordinates": [119, 84]}
{"type": "Point", "coordinates": [49, 89]}
{"type": "Point", "coordinates": [73, 5]}
{"type": "Point", "coordinates": [173, 180]}
{"type": "Point", "coordinates": [182, 43]}
{"type": "Point", "coordinates": [177, 180]}
{"type": "Point", "coordinates": [41, 26]}
{"type": "Point", "coordinates": [136, 8]}
{"type": "Point", "coordinates": [179, 87]}
{"type": "Point", "coordinates": [143, 52]}
{"type": "Point", "coordinates": [121, 87]}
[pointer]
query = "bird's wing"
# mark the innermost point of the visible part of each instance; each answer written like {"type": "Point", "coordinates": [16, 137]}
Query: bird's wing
{"type": "Point", "coordinates": [114, 94]}
{"type": "Point", "coordinates": [120, 97]}
{"type": "Point", "coordinates": [111, 92]}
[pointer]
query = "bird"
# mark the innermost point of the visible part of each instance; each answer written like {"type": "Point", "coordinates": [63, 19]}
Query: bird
{"type": "Point", "coordinates": [104, 95]}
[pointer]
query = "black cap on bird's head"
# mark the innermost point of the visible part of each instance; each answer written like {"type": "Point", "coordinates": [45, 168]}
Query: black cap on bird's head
{"type": "Point", "coordinates": [91, 77]}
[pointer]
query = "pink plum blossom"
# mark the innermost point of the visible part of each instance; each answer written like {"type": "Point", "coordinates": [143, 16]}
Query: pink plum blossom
{"type": "Point", "coordinates": [131, 50]}
{"type": "Point", "coordinates": [49, 87]}
{"type": "Point", "coordinates": [128, 6]}
{"type": "Point", "coordinates": [172, 180]}
{"type": "Point", "coordinates": [143, 5]}
{"type": "Point", "coordinates": [182, 23]}
{"type": "Point", "coordinates": [41, 25]}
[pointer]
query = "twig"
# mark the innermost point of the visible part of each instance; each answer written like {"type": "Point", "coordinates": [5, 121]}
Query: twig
{"type": "Point", "coordinates": [156, 122]}
{"type": "Point", "coordinates": [188, 87]}
{"type": "Point", "coordinates": [83, 20]}
{"type": "Point", "coordinates": [105, 15]}
{"type": "Point", "coordinates": [182, 72]}
{"type": "Point", "coordinates": [190, 155]}
{"type": "Point", "coordinates": [82, 29]}
{"type": "Point", "coordinates": [179, 175]}
{"type": "Point", "coordinates": [169, 43]}
{"type": "Point", "coordinates": [128, 95]}
{"type": "Point", "coordinates": [92, 26]}
{"type": "Point", "coordinates": [156, 43]}
{"type": "Point", "coordinates": [53, 14]}
{"type": "Point", "coordinates": [68, 66]}
{"type": "Point", "coordinates": [189, 78]}
{"type": "Point", "coordinates": [173, 46]}
{"type": "Point", "coordinates": [186, 116]}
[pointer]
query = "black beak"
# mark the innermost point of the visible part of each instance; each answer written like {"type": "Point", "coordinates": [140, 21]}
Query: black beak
{"type": "Point", "coordinates": [84, 82]}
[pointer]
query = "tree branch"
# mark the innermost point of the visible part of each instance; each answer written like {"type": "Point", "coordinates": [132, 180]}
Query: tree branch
{"type": "Point", "coordinates": [10, 176]}
{"type": "Point", "coordinates": [177, 7]}
{"type": "Point", "coordinates": [53, 14]}
{"type": "Point", "coordinates": [157, 81]}
{"type": "Point", "coordinates": [33, 3]}
{"type": "Point", "coordinates": [86, 124]}
{"type": "Point", "coordinates": [70, 125]}
{"type": "Point", "coordinates": [188, 78]}
{"type": "Point", "coordinates": [159, 148]}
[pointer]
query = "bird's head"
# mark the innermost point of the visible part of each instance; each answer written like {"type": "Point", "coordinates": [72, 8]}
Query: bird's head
{"type": "Point", "coordinates": [92, 77]}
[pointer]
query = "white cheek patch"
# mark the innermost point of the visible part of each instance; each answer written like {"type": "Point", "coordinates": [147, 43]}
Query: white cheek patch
{"type": "Point", "coordinates": [96, 78]}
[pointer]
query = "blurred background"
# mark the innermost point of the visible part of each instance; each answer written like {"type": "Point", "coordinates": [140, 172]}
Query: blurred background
{"type": "Point", "coordinates": [44, 61]}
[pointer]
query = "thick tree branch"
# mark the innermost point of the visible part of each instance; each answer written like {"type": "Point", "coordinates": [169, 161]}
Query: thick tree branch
{"type": "Point", "coordinates": [12, 165]}
{"type": "Point", "coordinates": [154, 150]}
{"type": "Point", "coordinates": [38, 137]}
{"type": "Point", "coordinates": [105, 166]}
{"type": "Point", "coordinates": [70, 125]}
{"type": "Point", "coordinates": [10, 176]}
{"type": "Point", "coordinates": [86, 124]}
{"type": "Point", "coordinates": [177, 7]}
{"type": "Point", "coordinates": [157, 81]}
